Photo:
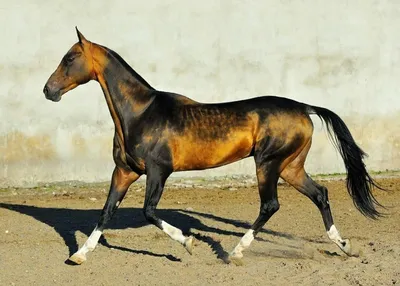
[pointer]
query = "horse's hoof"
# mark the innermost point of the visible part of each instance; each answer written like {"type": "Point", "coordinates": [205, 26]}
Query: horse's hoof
{"type": "Point", "coordinates": [189, 244]}
{"type": "Point", "coordinates": [346, 248]}
{"type": "Point", "coordinates": [77, 258]}
{"type": "Point", "coordinates": [237, 260]}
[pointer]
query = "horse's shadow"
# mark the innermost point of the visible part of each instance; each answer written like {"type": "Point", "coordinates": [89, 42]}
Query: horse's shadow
{"type": "Point", "coordinates": [66, 222]}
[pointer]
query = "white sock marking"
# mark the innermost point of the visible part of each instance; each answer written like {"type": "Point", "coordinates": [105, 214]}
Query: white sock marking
{"type": "Point", "coordinates": [91, 242]}
{"type": "Point", "coordinates": [173, 232]}
{"type": "Point", "coordinates": [244, 243]}
{"type": "Point", "coordinates": [334, 235]}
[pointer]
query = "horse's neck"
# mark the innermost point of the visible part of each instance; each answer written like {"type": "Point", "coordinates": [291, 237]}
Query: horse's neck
{"type": "Point", "coordinates": [125, 95]}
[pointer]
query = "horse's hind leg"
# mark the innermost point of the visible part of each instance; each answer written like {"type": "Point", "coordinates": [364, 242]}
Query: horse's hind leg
{"type": "Point", "coordinates": [296, 176]}
{"type": "Point", "coordinates": [120, 182]}
{"type": "Point", "coordinates": [155, 181]}
{"type": "Point", "coordinates": [267, 176]}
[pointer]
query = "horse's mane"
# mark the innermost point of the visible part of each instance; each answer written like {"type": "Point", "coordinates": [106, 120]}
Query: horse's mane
{"type": "Point", "coordinates": [127, 67]}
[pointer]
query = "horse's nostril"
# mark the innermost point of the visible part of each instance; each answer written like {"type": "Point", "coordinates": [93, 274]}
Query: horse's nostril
{"type": "Point", "coordinates": [45, 90]}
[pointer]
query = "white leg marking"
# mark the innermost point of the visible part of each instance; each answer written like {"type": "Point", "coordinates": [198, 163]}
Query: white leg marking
{"type": "Point", "coordinates": [243, 244]}
{"type": "Point", "coordinates": [344, 244]}
{"type": "Point", "coordinates": [334, 235]}
{"type": "Point", "coordinates": [91, 242]}
{"type": "Point", "coordinates": [173, 232]}
{"type": "Point", "coordinates": [80, 256]}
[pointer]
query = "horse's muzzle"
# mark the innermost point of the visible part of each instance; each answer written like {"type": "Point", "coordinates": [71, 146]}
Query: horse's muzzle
{"type": "Point", "coordinates": [51, 95]}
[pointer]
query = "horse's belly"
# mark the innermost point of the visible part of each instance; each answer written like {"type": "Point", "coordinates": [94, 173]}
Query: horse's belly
{"type": "Point", "coordinates": [190, 153]}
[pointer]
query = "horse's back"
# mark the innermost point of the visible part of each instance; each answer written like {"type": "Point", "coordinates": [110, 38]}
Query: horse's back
{"type": "Point", "coordinates": [202, 136]}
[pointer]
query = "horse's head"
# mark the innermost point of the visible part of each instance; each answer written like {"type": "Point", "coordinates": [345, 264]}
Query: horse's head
{"type": "Point", "coordinates": [76, 68]}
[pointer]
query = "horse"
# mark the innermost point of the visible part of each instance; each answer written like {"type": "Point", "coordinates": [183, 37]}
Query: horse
{"type": "Point", "coordinates": [158, 133]}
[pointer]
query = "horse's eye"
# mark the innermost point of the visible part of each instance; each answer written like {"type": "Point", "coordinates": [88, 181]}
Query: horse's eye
{"type": "Point", "coordinates": [70, 59]}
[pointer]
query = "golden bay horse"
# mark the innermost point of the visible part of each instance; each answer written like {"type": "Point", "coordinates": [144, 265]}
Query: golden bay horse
{"type": "Point", "coordinates": [158, 133]}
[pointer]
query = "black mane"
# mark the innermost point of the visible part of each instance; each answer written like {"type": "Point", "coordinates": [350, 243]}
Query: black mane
{"type": "Point", "coordinates": [128, 67]}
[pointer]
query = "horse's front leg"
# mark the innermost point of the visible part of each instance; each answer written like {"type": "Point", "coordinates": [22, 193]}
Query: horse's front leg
{"type": "Point", "coordinates": [155, 181]}
{"type": "Point", "coordinates": [120, 182]}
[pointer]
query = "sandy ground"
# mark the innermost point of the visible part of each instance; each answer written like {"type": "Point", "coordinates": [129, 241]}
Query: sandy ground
{"type": "Point", "coordinates": [40, 228]}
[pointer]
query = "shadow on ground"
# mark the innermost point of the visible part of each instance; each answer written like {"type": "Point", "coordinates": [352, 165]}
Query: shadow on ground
{"type": "Point", "coordinates": [66, 222]}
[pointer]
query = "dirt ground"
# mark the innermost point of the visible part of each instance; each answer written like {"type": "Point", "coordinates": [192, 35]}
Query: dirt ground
{"type": "Point", "coordinates": [41, 227]}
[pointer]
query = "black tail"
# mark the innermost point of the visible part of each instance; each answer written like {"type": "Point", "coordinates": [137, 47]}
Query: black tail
{"type": "Point", "coordinates": [359, 182]}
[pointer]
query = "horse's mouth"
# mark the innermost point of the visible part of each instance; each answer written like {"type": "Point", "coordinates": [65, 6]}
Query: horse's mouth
{"type": "Point", "coordinates": [55, 97]}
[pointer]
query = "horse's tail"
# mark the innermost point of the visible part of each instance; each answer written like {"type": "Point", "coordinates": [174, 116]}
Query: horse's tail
{"type": "Point", "coordinates": [359, 182]}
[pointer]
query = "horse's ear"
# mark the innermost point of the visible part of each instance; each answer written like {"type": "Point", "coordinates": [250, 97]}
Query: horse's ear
{"type": "Point", "coordinates": [81, 38]}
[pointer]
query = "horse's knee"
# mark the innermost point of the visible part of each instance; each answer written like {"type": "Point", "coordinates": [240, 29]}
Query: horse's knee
{"type": "Point", "coordinates": [269, 207]}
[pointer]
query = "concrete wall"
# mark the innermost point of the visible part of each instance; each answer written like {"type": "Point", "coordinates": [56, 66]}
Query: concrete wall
{"type": "Point", "coordinates": [344, 55]}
